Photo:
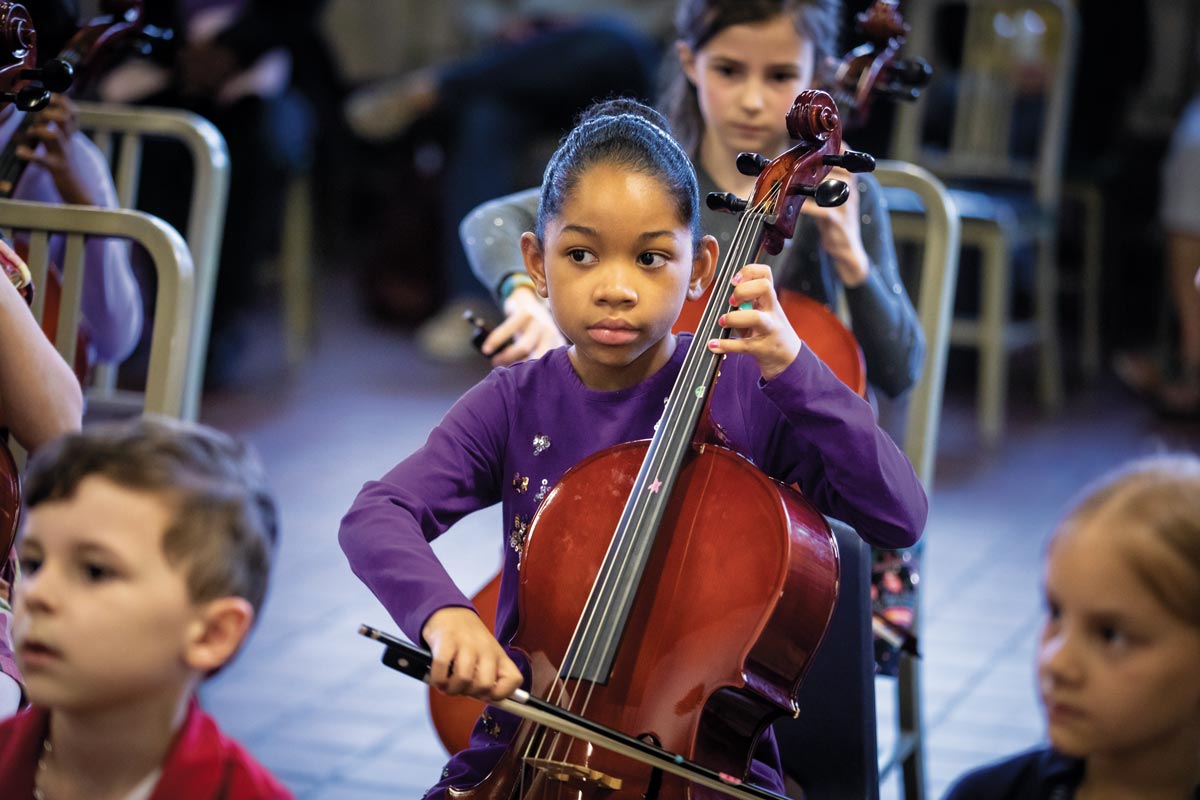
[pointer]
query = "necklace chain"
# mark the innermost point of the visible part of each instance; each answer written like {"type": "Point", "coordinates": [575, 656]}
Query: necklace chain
{"type": "Point", "coordinates": [47, 750]}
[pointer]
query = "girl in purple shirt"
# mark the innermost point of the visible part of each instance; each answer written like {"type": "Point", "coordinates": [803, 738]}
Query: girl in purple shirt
{"type": "Point", "coordinates": [616, 250]}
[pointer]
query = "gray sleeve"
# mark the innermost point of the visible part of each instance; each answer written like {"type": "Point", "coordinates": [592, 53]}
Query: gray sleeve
{"type": "Point", "coordinates": [882, 315]}
{"type": "Point", "coordinates": [491, 236]}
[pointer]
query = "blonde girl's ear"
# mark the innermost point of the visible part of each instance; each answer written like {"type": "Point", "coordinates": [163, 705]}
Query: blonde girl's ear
{"type": "Point", "coordinates": [535, 262]}
{"type": "Point", "coordinates": [704, 266]}
{"type": "Point", "coordinates": [217, 632]}
{"type": "Point", "coordinates": [687, 60]}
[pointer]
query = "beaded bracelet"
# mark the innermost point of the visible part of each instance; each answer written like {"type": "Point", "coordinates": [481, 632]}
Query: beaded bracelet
{"type": "Point", "coordinates": [513, 281]}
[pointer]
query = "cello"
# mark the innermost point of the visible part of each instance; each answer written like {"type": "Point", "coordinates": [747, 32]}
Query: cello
{"type": "Point", "coordinates": [700, 673]}
{"type": "Point", "coordinates": [875, 67]}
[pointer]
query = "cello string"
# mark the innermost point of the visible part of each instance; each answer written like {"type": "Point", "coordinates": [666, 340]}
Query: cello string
{"type": "Point", "coordinates": [602, 592]}
{"type": "Point", "coordinates": [736, 257]}
{"type": "Point", "coordinates": [737, 253]}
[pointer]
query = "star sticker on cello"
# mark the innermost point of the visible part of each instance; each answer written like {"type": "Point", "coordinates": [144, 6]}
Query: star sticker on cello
{"type": "Point", "coordinates": [654, 487]}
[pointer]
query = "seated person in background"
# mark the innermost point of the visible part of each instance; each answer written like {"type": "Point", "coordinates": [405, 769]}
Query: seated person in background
{"type": "Point", "coordinates": [40, 400]}
{"type": "Point", "coordinates": [234, 66]}
{"type": "Point", "coordinates": [1173, 386]}
{"type": "Point", "coordinates": [53, 162]}
{"type": "Point", "coordinates": [145, 551]}
{"type": "Point", "coordinates": [540, 64]}
{"type": "Point", "coordinates": [1119, 647]}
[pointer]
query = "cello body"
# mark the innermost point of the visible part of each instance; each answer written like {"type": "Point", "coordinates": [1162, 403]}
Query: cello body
{"type": "Point", "coordinates": [706, 662]}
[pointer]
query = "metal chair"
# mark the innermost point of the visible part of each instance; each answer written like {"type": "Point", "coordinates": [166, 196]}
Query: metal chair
{"type": "Point", "coordinates": [997, 140]}
{"type": "Point", "coordinates": [169, 366]}
{"type": "Point", "coordinates": [831, 749]}
{"type": "Point", "coordinates": [119, 132]}
{"type": "Point", "coordinates": [931, 284]}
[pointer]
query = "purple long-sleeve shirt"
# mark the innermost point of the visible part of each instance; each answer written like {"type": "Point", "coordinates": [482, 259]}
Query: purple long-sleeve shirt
{"type": "Point", "coordinates": [537, 419]}
{"type": "Point", "coordinates": [111, 305]}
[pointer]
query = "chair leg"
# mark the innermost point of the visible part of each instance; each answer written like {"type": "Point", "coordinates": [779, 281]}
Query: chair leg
{"type": "Point", "coordinates": [296, 269]}
{"type": "Point", "coordinates": [1093, 234]}
{"type": "Point", "coordinates": [911, 725]}
{"type": "Point", "coordinates": [1050, 381]}
{"type": "Point", "coordinates": [995, 302]}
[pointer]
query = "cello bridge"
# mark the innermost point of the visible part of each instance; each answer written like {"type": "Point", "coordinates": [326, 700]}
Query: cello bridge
{"type": "Point", "coordinates": [573, 774]}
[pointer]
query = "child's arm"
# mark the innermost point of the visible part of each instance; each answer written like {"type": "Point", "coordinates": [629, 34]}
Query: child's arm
{"type": "Point", "coordinates": [828, 441]}
{"type": "Point", "coordinates": [491, 237]}
{"type": "Point", "coordinates": [387, 531]}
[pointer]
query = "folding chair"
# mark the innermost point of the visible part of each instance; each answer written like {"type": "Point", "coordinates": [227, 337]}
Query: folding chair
{"type": "Point", "coordinates": [166, 377]}
{"type": "Point", "coordinates": [120, 132]}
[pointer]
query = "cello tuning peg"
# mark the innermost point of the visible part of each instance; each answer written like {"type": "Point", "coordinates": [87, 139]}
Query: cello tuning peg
{"type": "Point", "coordinates": [851, 161]}
{"type": "Point", "coordinates": [827, 193]}
{"type": "Point", "coordinates": [831, 193]}
{"type": "Point", "coordinates": [899, 91]}
{"type": "Point", "coordinates": [29, 98]}
{"type": "Point", "coordinates": [56, 75]}
{"type": "Point", "coordinates": [914, 72]}
{"type": "Point", "coordinates": [751, 164]}
{"type": "Point", "coordinates": [725, 201]}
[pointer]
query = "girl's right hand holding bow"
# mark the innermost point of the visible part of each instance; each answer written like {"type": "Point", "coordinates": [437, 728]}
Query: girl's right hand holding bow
{"type": "Point", "coordinates": [467, 659]}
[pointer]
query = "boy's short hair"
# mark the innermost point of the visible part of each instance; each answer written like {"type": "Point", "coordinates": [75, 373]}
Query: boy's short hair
{"type": "Point", "coordinates": [225, 519]}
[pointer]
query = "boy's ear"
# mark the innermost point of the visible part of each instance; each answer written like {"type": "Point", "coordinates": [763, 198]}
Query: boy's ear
{"type": "Point", "coordinates": [535, 262]}
{"type": "Point", "coordinates": [687, 60]}
{"type": "Point", "coordinates": [704, 266]}
{"type": "Point", "coordinates": [217, 632]}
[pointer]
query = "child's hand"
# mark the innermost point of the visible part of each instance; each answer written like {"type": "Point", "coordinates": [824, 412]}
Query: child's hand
{"type": "Point", "coordinates": [529, 323]}
{"type": "Point", "coordinates": [467, 659]}
{"type": "Point", "coordinates": [762, 329]}
{"type": "Point", "coordinates": [48, 144]}
{"type": "Point", "coordinates": [841, 232]}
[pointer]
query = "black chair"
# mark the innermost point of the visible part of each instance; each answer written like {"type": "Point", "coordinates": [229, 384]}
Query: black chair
{"type": "Point", "coordinates": [830, 748]}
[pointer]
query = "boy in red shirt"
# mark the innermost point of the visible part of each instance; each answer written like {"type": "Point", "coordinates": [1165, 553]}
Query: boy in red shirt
{"type": "Point", "coordinates": [145, 553]}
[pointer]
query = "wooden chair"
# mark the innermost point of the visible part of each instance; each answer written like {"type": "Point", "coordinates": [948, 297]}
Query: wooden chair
{"type": "Point", "coordinates": [994, 128]}
{"type": "Point", "coordinates": [169, 366]}
{"type": "Point", "coordinates": [119, 132]}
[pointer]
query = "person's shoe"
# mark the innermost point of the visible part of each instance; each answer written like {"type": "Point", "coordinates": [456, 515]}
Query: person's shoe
{"type": "Point", "coordinates": [384, 110]}
{"type": "Point", "coordinates": [446, 336]}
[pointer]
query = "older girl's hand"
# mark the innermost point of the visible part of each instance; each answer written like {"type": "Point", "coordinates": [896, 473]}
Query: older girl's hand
{"type": "Point", "coordinates": [48, 144]}
{"type": "Point", "coordinates": [530, 327]}
{"type": "Point", "coordinates": [841, 232]}
{"type": "Point", "coordinates": [763, 330]}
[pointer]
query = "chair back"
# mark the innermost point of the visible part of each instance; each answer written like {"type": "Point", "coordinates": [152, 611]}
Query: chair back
{"type": "Point", "coordinates": [1000, 113]}
{"type": "Point", "coordinates": [937, 230]}
{"type": "Point", "coordinates": [168, 368]}
{"type": "Point", "coordinates": [120, 132]}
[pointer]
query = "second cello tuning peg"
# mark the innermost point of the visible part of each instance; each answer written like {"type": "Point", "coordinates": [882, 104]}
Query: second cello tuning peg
{"type": "Point", "coordinates": [751, 164]}
{"type": "Point", "coordinates": [28, 98]}
{"type": "Point", "coordinates": [725, 201]}
{"type": "Point", "coordinates": [827, 193]}
{"type": "Point", "coordinates": [851, 161]}
{"type": "Point", "coordinates": [56, 75]}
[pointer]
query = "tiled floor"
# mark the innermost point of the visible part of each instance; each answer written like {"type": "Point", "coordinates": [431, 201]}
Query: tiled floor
{"type": "Point", "coordinates": [310, 699]}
